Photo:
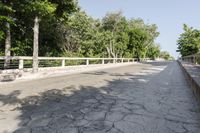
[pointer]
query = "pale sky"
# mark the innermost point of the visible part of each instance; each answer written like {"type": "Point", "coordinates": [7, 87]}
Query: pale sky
{"type": "Point", "coordinates": [168, 15]}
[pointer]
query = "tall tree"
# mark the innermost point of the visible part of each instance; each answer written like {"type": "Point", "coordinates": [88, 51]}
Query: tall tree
{"type": "Point", "coordinates": [76, 34]}
{"type": "Point", "coordinates": [153, 51]}
{"type": "Point", "coordinates": [5, 16]}
{"type": "Point", "coordinates": [137, 41]}
{"type": "Point", "coordinates": [149, 29]}
{"type": "Point", "coordinates": [165, 55]}
{"type": "Point", "coordinates": [117, 24]}
{"type": "Point", "coordinates": [189, 41]}
{"type": "Point", "coordinates": [38, 9]}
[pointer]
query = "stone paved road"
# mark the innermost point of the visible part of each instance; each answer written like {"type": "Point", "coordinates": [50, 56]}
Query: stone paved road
{"type": "Point", "coordinates": [142, 98]}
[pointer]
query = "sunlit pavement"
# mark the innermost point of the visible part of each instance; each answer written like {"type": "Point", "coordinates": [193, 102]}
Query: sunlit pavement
{"type": "Point", "coordinates": [140, 98]}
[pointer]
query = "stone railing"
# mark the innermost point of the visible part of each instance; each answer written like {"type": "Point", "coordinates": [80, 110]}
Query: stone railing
{"type": "Point", "coordinates": [26, 62]}
{"type": "Point", "coordinates": [195, 58]}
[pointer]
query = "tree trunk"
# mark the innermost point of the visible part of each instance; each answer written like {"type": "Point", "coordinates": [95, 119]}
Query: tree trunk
{"type": "Point", "coordinates": [111, 49]}
{"type": "Point", "coordinates": [35, 44]}
{"type": "Point", "coordinates": [7, 46]}
{"type": "Point", "coordinates": [108, 51]}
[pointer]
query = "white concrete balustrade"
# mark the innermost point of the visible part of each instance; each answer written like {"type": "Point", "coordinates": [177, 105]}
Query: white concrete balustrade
{"type": "Point", "coordinates": [18, 62]}
{"type": "Point", "coordinates": [48, 66]}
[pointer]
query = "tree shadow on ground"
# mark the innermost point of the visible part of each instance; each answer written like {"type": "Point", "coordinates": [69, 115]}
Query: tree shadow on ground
{"type": "Point", "coordinates": [151, 65]}
{"type": "Point", "coordinates": [75, 110]}
{"type": "Point", "coordinates": [86, 109]}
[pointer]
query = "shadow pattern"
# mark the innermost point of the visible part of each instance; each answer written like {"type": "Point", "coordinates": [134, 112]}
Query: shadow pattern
{"type": "Point", "coordinates": [130, 104]}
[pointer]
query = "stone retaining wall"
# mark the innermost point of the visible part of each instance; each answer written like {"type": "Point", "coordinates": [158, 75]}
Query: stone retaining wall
{"type": "Point", "coordinates": [192, 74]}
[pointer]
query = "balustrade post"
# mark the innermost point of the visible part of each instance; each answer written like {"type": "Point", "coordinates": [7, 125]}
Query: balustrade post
{"type": "Point", "coordinates": [103, 62]}
{"type": "Point", "coordinates": [195, 59]}
{"type": "Point", "coordinates": [21, 64]}
{"type": "Point", "coordinates": [87, 62]}
{"type": "Point", "coordinates": [63, 63]}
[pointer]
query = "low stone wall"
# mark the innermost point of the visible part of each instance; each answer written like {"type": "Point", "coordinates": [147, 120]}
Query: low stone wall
{"type": "Point", "coordinates": [192, 73]}
{"type": "Point", "coordinates": [11, 75]}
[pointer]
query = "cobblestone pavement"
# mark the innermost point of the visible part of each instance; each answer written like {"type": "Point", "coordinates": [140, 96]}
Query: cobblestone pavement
{"type": "Point", "coordinates": [142, 98]}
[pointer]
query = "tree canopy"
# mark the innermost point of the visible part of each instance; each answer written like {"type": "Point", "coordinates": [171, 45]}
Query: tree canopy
{"type": "Point", "coordinates": [65, 30]}
{"type": "Point", "coordinates": [189, 41]}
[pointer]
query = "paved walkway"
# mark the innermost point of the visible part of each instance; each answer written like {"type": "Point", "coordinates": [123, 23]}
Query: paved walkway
{"type": "Point", "coordinates": [142, 98]}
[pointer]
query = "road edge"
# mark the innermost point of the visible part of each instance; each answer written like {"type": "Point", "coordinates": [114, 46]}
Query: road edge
{"type": "Point", "coordinates": [192, 82]}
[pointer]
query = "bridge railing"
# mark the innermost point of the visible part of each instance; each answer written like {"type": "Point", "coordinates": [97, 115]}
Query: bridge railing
{"type": "Point", "coordinates": [26, 62]}
{"type": "Point", "coordinates": [195, 58]}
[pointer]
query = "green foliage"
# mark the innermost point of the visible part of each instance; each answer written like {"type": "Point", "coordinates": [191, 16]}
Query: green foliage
{"type": "Point", "coordinates": [21, 13]}
{"type": "Point", "coordinates": [142, 37]}
{"type": "Point", "coordinates": [1, 35]}
{"type": "Point", "coordinates": [5, 12]}
{"type": "Point", "coordinates": [165, 55]}
{"type": "Point", "coordinates": [153, 51]}
{"type": "Point", "coordinates": [20, 48]}
{"type": "Point", "coordinates": [189, 41]}
{"type": "Point", "coordinates": [67, 31]}
{"type": "Point", "coordinates": [137, 41]}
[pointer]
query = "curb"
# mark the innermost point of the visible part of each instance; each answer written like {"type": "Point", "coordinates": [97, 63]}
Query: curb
{"type": "Point", "coordinates": [195, 86]}
{"type": "Point", "coordinates": [54, 72]}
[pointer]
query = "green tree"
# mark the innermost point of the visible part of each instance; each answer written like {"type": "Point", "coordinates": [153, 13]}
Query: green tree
{"type": "Point", "coordinates": [151, 30]}
{"type": "Point", "coordinates": [153, 51]}
{"type": "Point", "coordinates": [137, 39]}
{"type": "Point", "coordinates": [165, 55]}
{"type": "Point", "coordinates": [117, 25]}
{"type": "Point", "coordinates": [36, 10]}
{"type": "Point", "coordinates": [189, 41]}
{"type": "Point", "coordinates": [6, 12]}
{"type": "Point", "coordinates": [80, 32]}
{"type": "Point", "coordinates": [63, 30]}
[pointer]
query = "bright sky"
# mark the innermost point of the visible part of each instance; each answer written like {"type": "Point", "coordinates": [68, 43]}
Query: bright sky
{"type": "Point", "coordinates": [169, 15]}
